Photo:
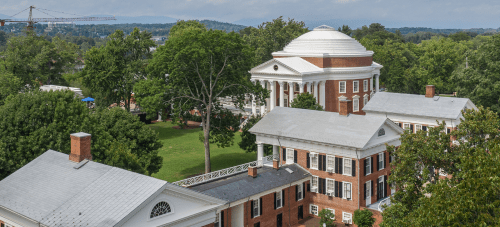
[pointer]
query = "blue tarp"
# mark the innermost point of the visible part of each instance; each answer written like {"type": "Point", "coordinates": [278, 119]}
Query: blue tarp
{"type": "Point", "coordinates": [88, 99]}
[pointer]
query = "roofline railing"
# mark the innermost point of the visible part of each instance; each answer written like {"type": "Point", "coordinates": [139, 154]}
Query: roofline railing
{"type": "Point", "coordinates": [221, 173]}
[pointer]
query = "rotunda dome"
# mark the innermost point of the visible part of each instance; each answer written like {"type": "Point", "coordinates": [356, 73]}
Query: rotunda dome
{"type": "Point", "coordinates": [325, 41]}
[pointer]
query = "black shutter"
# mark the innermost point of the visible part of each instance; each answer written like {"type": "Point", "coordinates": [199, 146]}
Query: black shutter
{"type": "Point", "coordinates": [424, 128]}
{"type": "Point", "coordinates": [390, 158]}
{"type": "Point", "coordinates": [283, 197]}
{"type": "Point", "coordinates": [320, 188]}
{"type": "Point", "coordinates": [371, 166]}
{"type": "Point", "coordinates": [222, 219]}
{"type": "Point", "coordinates": [365, 163]}
{"type": "Point", "coordinates": [385, 186]}
{"type": "Point", "coordinates": [304, 190]}
{"type": "Point", "coordinates": [275, 200]}
{"type": "Point", "coordinates": [336, 165]}
{"type": "Point", "coordinates": [411, 128]}
{"type": "Point", "coordinates": [378, 167]}
{"type": "Point", "coordinates": [364, 191]}
{"type": "Point", "coordinates": [336, 186]}
{"type": "Point", "coordinates": [400, 125]}
{"type": "Point", "coordinates": [340, 166]}
{"type": "Point", "coordinates": [284, 154]}
{"type": "Point", "coordinates": [320, 164]}
{"type": "Point", "coordinates": [308, 187]}
{"type": "Point", "coordinates": [324, 162]}
{"type": "Point", "coordinates": [260, 205]}
{"type": "Point", "coordinates": [378, 193]}
{"type": "Point", "coordinates": [324, 186]}
{"type": "Point", "coordinates": [251, 209]}
{"type": "Point", "coordinates": [308, 161]}
{"type": "Point", "coordinates": [296, 192]}
{"type": "Point", "coordinates": [294, 156]}
{"type": "Point", "coordinates": [353, 168]}
{"type": "Point", "coordinates": [384, 160]}
{"type": "Point", "coordinates": [341, 187]}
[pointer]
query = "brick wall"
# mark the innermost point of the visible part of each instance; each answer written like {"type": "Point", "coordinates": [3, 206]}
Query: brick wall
{"type": "Point", "coordinates": [373, 177]}
{"type": "Point", "coordinates": [324, 201]}
{"type": "Point", "coordinates": [338, 62]}
{"type": "Point", "coordinates": [269, 214]}
{"type": "Point", "coordinates": [332, 94]}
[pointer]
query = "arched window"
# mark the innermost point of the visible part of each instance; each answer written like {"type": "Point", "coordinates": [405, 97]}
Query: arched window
{"type": "Point", "coordinates": [160, 208]}
{"type": "Point", "coordinates": [381, 132]}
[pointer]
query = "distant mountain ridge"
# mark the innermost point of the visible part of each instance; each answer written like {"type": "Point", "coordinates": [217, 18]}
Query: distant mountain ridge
{"type": "Point", "coordinates": [406, 30]}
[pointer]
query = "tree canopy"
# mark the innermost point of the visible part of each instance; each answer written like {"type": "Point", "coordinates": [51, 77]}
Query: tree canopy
{"type": "Point", "coordinates": [306, 101]}
{"type": "Point", "coordinates": [248, 140]}
{"type": "Point", "coordinates": [34, 122]}
{"type": "Point", "coordinates": [363, 218]}
{"type": "Point", "coordinates": [111, 71]}
{"type": "Point", "coordinates": [202, 66]}
{"type": "Point", "coordinates": [468, 196]}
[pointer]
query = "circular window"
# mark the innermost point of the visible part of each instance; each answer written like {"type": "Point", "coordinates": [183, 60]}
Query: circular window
{"type": "Point", "coordinates": [159, 209]}
{"type": "Point", "coordinates": [275, 67]}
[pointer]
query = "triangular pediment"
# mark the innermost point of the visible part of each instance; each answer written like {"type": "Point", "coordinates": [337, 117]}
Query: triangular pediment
{"type": "Point", "coordinates": [389, 131]}
{"type": "Point", "coordinates": [274, 66]}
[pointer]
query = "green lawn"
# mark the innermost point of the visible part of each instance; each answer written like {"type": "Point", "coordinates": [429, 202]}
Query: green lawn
{"type": "Point", "coordinates": [184, 155]}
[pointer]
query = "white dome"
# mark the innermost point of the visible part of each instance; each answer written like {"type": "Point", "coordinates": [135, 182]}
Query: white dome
{"type": "Point", "coordinates": [325, 41]}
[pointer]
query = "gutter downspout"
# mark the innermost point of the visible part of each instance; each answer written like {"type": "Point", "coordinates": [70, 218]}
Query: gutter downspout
{"type": "Point", "coordinates": [359, 176]}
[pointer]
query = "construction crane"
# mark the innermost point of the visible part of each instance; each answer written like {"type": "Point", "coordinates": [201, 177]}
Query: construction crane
{"type": "Point", "coordinates": [32, 21]}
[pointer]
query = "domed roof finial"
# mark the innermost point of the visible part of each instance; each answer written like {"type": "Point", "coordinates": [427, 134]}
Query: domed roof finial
{"type": "Point", "coordinates": [324, 28]}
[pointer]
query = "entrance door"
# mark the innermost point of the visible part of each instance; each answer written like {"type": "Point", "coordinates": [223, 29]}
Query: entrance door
{"type": "Point", "coordinates": [279, 220]}
{"type": "Point", "coordinates": [301, 212]}
{"type": "Point", "coordinates": [368, 192]}
{"type": "Point", "coordinates": [237, 216]}
{"type": "Point", "coordinates": [380, 188]}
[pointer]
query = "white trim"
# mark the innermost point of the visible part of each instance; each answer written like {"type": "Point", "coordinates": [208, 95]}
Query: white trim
{"type": "Point", "coordinates": [315, 178]}
{"type": "Point", "coordinates": [311, 210]}
{"type": "Point", "coordinates": [365, 81]}
{"type": "Point", "coordinates": [288, 152]}
{"type": "Point", "coordinates": [344, 190]}
{"type": "Point", "coordinates": [332, 190]}
{"type": "Point", "coordinates": [369, 164]}
{"type": "Point", "coordinates": [281, 197]}
{"type": "Point", "coordinates": [300, 186]}
{"type": "Point", "coordinates": [353, 87]}
{"type": "Point", "coordinates": [355, 105]}
{"type": "Point", "coordinates": [345, 87]}
{"type": "Point", "coordinates": [330, 169]}
{"type": "Point", "coordinates": [160, 198]}
{"type": "Point", "coordinates": [349, 217]}
{"type": "Point", "coordinates": [349, 173]}
{"type": "Point", "coordinates": [258, 207]}
{"type": "Point", "coordinates": [381, 159]}
{"type": "Point", "coordinates": [311, 154]}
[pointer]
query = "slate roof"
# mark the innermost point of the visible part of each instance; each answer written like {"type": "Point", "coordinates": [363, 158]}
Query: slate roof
{"type": "Point", "coordinates": [239, 186]}
{"type": "Point", "coordinates": [51, 191]}
{"type": "Point", "coordinates": [320, 126]}
{"type": "Point", "coordinates": [417, 105]}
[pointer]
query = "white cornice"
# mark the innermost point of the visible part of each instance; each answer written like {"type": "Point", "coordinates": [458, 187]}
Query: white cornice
{"type": "Point", "coordinates": [322, 55]}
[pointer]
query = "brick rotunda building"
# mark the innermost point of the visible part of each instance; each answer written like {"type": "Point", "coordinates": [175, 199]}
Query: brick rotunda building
{"type": "Point", "coordinates": [324, 62]}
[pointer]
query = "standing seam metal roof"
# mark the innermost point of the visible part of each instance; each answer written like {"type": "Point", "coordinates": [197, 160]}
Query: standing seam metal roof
{"type": "Point", "coordinates": [51, 191]}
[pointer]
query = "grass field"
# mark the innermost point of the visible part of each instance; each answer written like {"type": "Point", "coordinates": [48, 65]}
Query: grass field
{"type": "Point", "coordinates": [184, 155]}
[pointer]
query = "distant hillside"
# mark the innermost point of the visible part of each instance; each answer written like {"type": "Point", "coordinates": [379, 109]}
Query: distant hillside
{"type": "Point", "coordinates": [414, 30]}
{"type": "Point", "coordinates": [102, 30]}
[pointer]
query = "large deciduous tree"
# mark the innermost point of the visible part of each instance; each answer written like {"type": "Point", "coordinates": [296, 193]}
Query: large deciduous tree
{"type": "Point", "coordinates": [34, 122]}
{"type": "Point", "coordinates": [111, 71]}
{"type": "Point", "coordinates": [469, 196]}
{"type": "Point", "coordinates": [273, 36]}
{"type": "Point", "coordinates": [202, 66]}
{"type": "Point", "coordinates": [35, 60]}
{"type": "Point", "coordinates": [481, 80]}
{"type": "Point", "coordinates": [248, 140]}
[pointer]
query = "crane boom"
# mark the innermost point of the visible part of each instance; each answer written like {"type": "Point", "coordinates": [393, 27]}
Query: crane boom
{"type": "Point", "coordinates": [31, 21]}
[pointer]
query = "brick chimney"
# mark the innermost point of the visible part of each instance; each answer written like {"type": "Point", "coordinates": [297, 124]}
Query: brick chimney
{"type": "Point", "coordinates": [430, 91]}
{"type": "Point", "coordinates": [345, 106]}
{"type": "Point", "coordinates": [80, 147]}
{"type": "Point", "coordinates": [252, 171]}
{"type": "Point", "coordinates": [276, 164]}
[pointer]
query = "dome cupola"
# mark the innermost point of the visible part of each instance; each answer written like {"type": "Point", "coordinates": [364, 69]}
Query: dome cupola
{"type": "Point", "coordinates": [324, 41]}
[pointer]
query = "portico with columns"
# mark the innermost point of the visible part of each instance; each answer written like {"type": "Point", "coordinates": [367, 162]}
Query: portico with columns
{"type": "Point", "coordinates": [322, 62]}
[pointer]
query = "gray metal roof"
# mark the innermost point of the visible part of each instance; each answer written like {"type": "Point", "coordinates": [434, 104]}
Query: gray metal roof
{"type": "Point", "coordinates": [239, 186]}
{"type": "Point", "coordinates": [320, 126]}
{"type": "Point", "coordinates": [417, 105]}
{"type": "Point", "coordinates": [51, 191]}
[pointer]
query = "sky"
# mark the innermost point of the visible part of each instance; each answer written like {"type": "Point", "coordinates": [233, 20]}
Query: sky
{"type": "Point", "coordinates": [355, 13]}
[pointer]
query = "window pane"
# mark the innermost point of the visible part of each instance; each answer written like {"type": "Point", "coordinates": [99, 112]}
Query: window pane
{"type": "Point", "coordinates": [342, 87]}
{"type": "Point", "coordinates": [356, 86]}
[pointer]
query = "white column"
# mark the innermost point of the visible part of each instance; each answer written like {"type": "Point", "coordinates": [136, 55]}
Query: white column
{"type": "Point", "coordinates": [322, 93]}
{"type": "Point", "coordinates": [276, 152]}
{"type": "Point", "coordinates": [282, 93]}
{"type": "Point", "coordinates": [263, 104]}
{"type": "Point", "coordinates": [309, 87]}
{"type": "Point", "coordinates": [301, 87]}
{"type": "Point", "coordinates": [315, 84]}
{"type": "Point", "coordinates": [254, 106]}
{"type": "Point", "coordinates": [377, 88]}
{"type": "Point", "coordinates": [260, 153]}
{"type": "Point", "coordinates": [291, 93]}
{"type": "Point", "coordinates": [371, 83]}
{"type": "Point", "coordinates": [273, 94]}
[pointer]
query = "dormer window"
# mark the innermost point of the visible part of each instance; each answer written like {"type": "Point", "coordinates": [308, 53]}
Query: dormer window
{"type": "Point", "coordinates": [160, 209]}
{"type": "Point", "coordinates": [381, 132]}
